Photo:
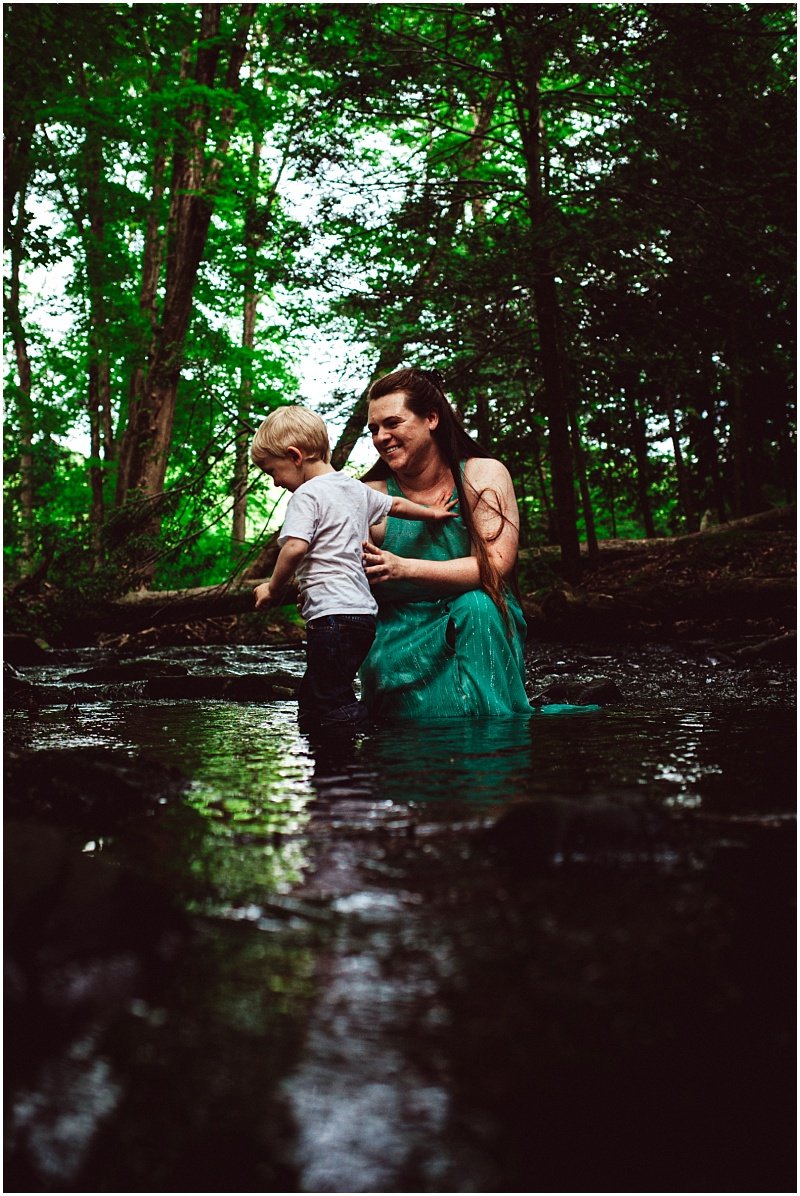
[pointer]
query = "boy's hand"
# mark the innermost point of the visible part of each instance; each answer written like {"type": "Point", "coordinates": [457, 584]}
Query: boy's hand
{"type": "Point", "coordinates": [445, 508]}
{"type": "Point", "coordinates": [263, 595]}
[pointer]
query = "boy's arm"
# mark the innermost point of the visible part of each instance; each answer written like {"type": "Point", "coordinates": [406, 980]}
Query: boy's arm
{"type": "Point", "coordinates": [406, 509]}
{"type": "Point", "coordinates": [291, 554]}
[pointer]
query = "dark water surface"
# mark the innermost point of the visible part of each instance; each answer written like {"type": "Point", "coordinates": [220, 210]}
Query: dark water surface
{"type": "Point", "coordinates": [540, 954]}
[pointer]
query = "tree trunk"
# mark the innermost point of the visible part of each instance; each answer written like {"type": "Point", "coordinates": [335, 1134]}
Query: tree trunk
{"type": "Point", "coordinates": [583, 483]}
{"type": "Point", "coordinates": [148, 436]}
{"type": "Point", "coordinates": [552, 529]}
{"type": "Point", "coordinates": [243, 435]}
{"type": "Point", "coordinates": [524, 71]}
{"type": "Point", "coordinates": [640, 455]}
{"type": "Point", "coordinates": [742, 448]}
{"type": "Point", "coordinates": [98, 400]}
{"type": "Point", "coordinates": [254, 237]}
{"type": "Point", "coordinates": [681, 473]}
{"type": "Point", "coordinates": [11, 303]}
{"type": "Point", "coordinates": [154, 246]}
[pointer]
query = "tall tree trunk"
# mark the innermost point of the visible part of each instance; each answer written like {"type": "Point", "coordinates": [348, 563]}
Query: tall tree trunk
{"type": "Point", "coordinates": [524, 61]}
{"type": "Point", "coordinates": [254, 237]}
{"type": "Point", "coordinates": [152, 260]}
{"type": "Point", "coordinates": [579, 455]}
{"type": "Point", "coordinates": [98, 403]}
{"type": "Point", "coordinates": [11, 304]}
{"type": "Point", "coordinates": [681, 472]}
{"type": "Point", "coordinates": [746, 443]}
{"type": "Point", "coordinates": [148, 435]}
{"type": "Point", "coordinates": [547, 506]}
{"type": "Point", "coordinates": [640, 456]}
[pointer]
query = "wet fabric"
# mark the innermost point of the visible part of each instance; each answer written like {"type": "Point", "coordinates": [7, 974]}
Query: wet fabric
{"type": "Point", "coordinates": [335, 647]}
{"type": "Point", "coordinates": [441, 655]}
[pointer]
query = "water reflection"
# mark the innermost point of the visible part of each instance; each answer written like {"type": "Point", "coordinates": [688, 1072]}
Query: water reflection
{"type": "Point", "coordinates": [253, 773]}
{"type": "Point", "coordinates": [260, 793]}
{"type": "Point", "coordinates": [328, 975]}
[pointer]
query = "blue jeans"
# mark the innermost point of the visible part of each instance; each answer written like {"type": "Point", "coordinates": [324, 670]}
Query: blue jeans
{"type": "Point", "coordinates": [336, 646]}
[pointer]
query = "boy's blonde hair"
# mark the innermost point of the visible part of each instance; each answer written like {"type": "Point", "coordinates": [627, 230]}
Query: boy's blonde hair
{"type": "Point", "coordinates": [289, 426]}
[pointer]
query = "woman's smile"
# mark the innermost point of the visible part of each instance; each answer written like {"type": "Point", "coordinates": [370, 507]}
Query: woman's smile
{"type": "Point", "coordinates": [398, 433]}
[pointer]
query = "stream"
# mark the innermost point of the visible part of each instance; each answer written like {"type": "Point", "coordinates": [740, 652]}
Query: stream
{"type": "Point", "coordinates": [552, 953]}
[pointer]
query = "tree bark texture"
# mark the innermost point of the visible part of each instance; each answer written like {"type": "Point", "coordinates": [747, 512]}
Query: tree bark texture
{"type": "Point", "coordinates": [681, 472]}
{"type": "Point", "coordinates": [98, 399]}
{"type": "Point", "coordinates": [639, 443]}
{"type": "Point", "coordinates": [148, 436]}
{"type": "Point", "coordinates": [254, 238]}
{"type": "Point", "coordinates": [524, 61]}
{"type": "Point", "coordinates": [11, 304]}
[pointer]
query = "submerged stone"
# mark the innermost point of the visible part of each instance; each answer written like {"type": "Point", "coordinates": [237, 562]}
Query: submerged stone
{"type": "Point", "coordinates": [95, 789]}
{"type": "Point", "coordinates": [541, 834]}
{"type": "Point", "coordinates": [600, 692]}
{"type": "Point", "coordinates": [131, 670]}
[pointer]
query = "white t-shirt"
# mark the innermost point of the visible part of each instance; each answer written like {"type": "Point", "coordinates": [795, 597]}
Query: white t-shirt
{"type": "Point", "coordinates": [333, 512]}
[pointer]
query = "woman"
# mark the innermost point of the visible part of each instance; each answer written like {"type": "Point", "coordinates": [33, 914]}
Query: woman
{"type": "Point", "coordinates": [450, 633]}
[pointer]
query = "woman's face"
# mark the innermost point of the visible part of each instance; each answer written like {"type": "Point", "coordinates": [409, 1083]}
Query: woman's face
{"type": "Point", "coordinates": [400, 437]}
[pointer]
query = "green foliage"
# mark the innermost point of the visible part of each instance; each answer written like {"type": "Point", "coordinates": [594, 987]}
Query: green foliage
{"type": "Point", "coordinates": [375, 190]}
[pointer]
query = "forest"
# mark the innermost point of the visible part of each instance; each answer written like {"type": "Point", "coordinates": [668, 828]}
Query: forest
{"type": "Point", "coordinates": [548, 949]}
{"type": "Point", "coordinates": [582, 214]}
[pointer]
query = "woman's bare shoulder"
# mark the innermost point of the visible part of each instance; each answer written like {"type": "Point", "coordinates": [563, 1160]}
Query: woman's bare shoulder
{"type": "Point", "coordinates": [486, 471]}
{"type": "Point", "coordinates": [378, 484]}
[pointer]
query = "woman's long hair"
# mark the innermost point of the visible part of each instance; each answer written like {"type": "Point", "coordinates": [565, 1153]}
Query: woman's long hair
{"type": "Point", "coordinates": [423, 394]}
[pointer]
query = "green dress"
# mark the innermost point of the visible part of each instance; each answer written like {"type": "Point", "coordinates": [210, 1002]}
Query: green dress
{"type": "Point", "coordinates": [441, 655]}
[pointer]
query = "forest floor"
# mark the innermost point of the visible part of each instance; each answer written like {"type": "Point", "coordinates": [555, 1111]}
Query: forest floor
{"type": "Point", "coordinates": [735, 582]}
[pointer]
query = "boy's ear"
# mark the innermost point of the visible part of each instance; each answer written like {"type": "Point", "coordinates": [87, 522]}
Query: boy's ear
{"type": "Point", "coordinates": [294, 455]}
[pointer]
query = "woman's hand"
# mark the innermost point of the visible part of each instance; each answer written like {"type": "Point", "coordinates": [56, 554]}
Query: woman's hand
{"type": "Point", "coordinates": [380, 565]}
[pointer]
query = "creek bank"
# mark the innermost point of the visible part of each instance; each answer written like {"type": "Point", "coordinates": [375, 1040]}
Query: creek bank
{"type": "Point", "coordinates": [734, 583]}
{"type": "Point", "coordinates": [556, 673]}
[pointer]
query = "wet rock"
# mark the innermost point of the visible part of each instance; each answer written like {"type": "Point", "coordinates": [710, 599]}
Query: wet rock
{"type": "Point", "coordinates": [534, 836]}
{"type": "Point", "coordinates": [600, 692]}
{"type": "Point", "coordinates": [62, 906]}
{"type": "Point", "coordinates": [17, 691]}
{"type": "Point", "coordinates": [132, 670]}
{"type": "Point", "coordinates": [94, 790]}
{"type": "Point", "coordinates": [782, 648]}
{"type": "Point", "coordinates": [22, 650]}
{"type": "Point", "coordinates": [254, 687]}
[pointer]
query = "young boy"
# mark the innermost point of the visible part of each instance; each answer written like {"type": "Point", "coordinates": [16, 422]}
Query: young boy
{"type": "Point", "coordinates": [327, 520]}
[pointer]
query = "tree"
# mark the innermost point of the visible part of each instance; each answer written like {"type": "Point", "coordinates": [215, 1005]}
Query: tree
{"type": "Point", "coordinates": [195, 179]}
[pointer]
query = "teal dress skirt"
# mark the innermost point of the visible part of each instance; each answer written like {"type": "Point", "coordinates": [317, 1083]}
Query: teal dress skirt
{"type": "Point", "coordinates": [441, 655]}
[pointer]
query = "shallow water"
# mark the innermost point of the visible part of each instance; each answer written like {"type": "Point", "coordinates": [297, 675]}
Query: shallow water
{"type": "Point", "coordinates": [366, 997]}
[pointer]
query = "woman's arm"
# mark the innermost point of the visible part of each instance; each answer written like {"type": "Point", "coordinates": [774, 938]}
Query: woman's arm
{"type": "Point", "coordinates": [490, 492]}
{"type": "Point", "coordinates": [457, 575]}
{"type": "Point", "coordinates": [489, 488]}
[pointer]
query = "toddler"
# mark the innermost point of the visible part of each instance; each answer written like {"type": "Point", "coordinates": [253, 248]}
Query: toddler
{"type": "Point", "coordinates": [327, 520]}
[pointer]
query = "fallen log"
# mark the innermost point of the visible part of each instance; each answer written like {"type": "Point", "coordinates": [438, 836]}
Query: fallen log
{"type": "Point", "coordinates": [154, 608]}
